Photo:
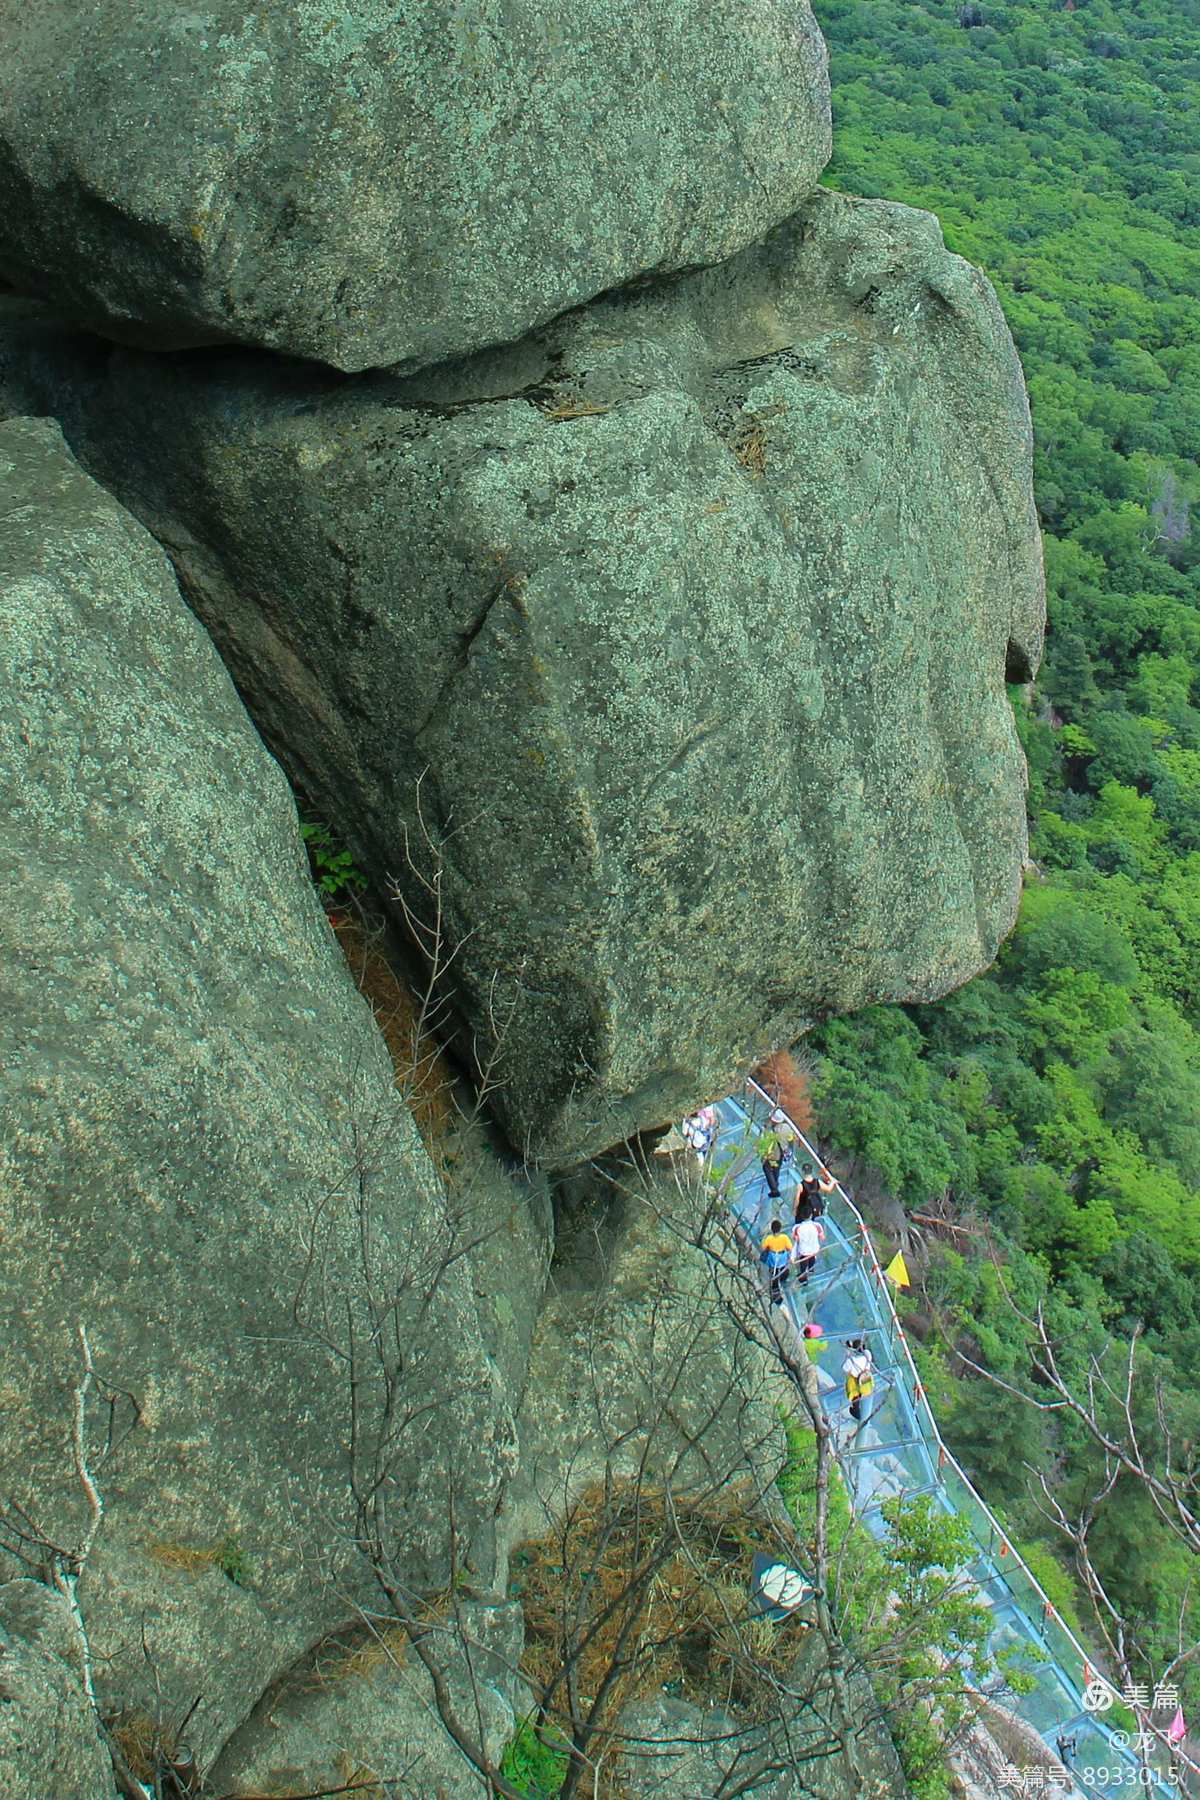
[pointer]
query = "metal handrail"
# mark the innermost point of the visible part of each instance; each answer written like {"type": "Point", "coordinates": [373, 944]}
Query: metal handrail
{"type": "Point", "coordinates": [946, 1457]}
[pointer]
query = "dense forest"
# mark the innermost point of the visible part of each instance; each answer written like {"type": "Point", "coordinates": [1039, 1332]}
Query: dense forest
{"type": "Point", "coordinates": [1051, 1108]}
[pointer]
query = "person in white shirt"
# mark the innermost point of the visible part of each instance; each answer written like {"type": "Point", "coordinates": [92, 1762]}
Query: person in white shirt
{"type": "Point", "coordinates": [699, 1130]}
{"type": "Point", "coordinates": [859, 1371]}
{"type": "Point", "coordinates": [807, 1237]}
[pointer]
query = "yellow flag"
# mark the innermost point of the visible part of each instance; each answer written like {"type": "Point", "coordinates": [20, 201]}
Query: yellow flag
{"type": "Point", "coordinates": [897, 1270]}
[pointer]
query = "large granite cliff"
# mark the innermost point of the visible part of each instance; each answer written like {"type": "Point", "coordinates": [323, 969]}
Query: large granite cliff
{"type": "Point", "coordinates": [670, 643]}
{"type": "Point", "coordinates": [645, 621]}
{"type": "Point", "coordinates": [206, 1163]}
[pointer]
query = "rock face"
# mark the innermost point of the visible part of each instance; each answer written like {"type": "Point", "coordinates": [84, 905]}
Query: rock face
{"type": "Point", "coordinates": [634, 1369]}
{"type": "Point", "coordinates": [372, 184]}
{"type": "Point", "coordinates": [49, 1740]}
{"type": "Point", "coordinates": [671, 642]}
{"type": "Point", "coordinates": [370, 1710]}
{"type": "Point", "coordinates": [206, 1160]}
{"type": "Point", "coordinates": [678, 1751]}
{"type": "Point", "coordinates": [638, 1379]}
{"type": "Point", "coordinates": [983, 1755]}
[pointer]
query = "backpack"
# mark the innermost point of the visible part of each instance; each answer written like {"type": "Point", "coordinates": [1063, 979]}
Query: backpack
{"type": "Point", "coordinates": [814, 1198]}
{"type": "Point", "coordinates": [774, 1260]}
{"type": "Point", "coordinates": [861, 1376]}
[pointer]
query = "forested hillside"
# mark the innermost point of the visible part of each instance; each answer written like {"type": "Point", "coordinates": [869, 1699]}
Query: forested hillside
{"type": "Point", "coordinates": [1054, 1104]}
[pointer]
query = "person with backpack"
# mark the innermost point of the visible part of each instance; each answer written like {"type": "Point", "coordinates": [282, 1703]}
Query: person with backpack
{"type": "Point", "coordinates": [1067, 1746]}
{"type": "Point", "coordinates": [813, 1192]}
{"type": "Point", "coordinates": [699, 1130]}
{"type": "Point", "coordinates": [773, 1150]}
{"type": "Point", "coordinates": [859, 1371]}
{"type": "Point", "coordinates": [783, 1128]}
{"type": "Point", "coordinates": [807, 1237]}
{"type": "Point", "coordinates": [777, 1259]}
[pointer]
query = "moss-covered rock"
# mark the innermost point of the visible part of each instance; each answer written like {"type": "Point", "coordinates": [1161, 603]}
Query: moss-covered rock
{"type": "Point", "coordinates": [50, 1742]}
{"type": "Point", "coordinates": [366, 1709]}
{"type": "Point", "coordinates": [370, 183]}
{"type": "Point", "coordinates": [638, 1368]}
{"type": "Point", "coordinates": [670, 643]}
{"type": "Point", "coordinates": [206, 1161]}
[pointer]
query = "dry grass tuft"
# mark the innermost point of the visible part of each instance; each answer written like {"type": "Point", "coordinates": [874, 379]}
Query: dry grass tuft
{"type": "Point", "coordinates": [749, 445]}
{"type": "Point", "coordinates": [339, 1660]}
{"type": "Point", "coordinates": [422, 1073]}
{"type": "Point", "coordinates": [748, 439]}
{"type": "Point", "coordinates": [659, 1588]}
{"type": "Point", "coordinates": [342, 1662]}
{"type": "Point", "coordinates": [574, 409]}
{"type": "Point", "coordinates": [143, 1743]}
{"type": "Point", "coordinates": [184, 1556]}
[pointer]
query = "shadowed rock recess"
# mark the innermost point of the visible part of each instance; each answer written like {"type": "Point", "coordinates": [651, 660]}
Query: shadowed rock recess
{"type": "Point", "coordinates": [689, 615]}
{"type": "Point", "coordinates": [367, 182]}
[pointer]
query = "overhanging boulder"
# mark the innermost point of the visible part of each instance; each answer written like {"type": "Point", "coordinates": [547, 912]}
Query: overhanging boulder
{"type": "Point", "coordinates": [368, 183]}
{"type": "Point", "coordinates": [670, 644]}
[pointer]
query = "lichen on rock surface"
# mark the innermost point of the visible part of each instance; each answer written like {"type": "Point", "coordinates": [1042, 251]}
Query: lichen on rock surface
{"type": "Point", "coordinates": [367, 1710]}
{"type": "Point", "coordinates": [50, 1742]}
{"type": "Point", "coordinates": [687, 618]}
{"type": "Point", "coordinates": [196, 1103]}
{"type": "Point", "coordinates": [373, 183]}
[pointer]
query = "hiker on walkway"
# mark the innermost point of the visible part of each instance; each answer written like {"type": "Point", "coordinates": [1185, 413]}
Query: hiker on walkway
{"type": "Point", "coordinates": [815, 1188]}
{"type": "Point", "coordinates": [699, 1130]}
{"type": "Point", "coordinates": [859, 1371]}
{"type": "Point", "coordinates": [807, 1237]}
{"type": "Point", "coordinates": [776, 1259]}
{"type": "Point", "coordinates": [774, 1152]}
{"type": "Point", "coordinates": [784, 1130]}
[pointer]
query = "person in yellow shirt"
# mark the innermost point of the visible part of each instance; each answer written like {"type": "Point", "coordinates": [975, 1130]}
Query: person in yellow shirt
{"type": "Point", "coordinates": [776, 1259]}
